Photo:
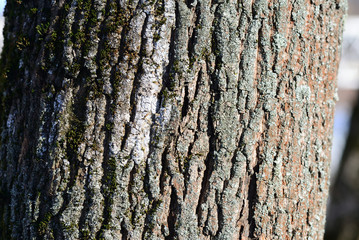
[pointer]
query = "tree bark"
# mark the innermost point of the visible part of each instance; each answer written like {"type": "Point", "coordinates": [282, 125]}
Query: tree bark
{"type": "Point", "coordinates": [167, 119]}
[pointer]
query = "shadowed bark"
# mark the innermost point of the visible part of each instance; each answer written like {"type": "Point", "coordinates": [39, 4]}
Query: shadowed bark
{"type": "Point", "coordinates": [167, 119]}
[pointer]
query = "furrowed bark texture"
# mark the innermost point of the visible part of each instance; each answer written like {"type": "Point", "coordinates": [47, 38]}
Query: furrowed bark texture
{"type": "Point", "coordinates": [167, 119]}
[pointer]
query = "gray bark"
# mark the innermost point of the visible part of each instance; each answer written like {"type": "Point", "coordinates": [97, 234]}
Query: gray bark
{"type": "Point", "coordinates": [167, 119]}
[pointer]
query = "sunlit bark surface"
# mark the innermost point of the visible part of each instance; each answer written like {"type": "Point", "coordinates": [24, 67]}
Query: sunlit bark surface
{"type": "Point", "coordinates": [167, 119]}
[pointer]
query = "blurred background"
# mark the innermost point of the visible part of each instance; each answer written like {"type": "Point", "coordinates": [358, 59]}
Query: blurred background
{"type": "Point", "coordinates": [343, 204]}
{"type": "Point", "coordinates": [2, 5]}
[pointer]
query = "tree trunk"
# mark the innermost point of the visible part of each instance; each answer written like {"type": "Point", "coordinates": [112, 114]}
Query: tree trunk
{"type": "Point", "coordinates": [167, 119]}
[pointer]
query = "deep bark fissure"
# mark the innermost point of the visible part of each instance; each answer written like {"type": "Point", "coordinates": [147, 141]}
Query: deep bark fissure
{"type": "Point", "coordinates": [172, 216]}
{"type": "Point", "coordinates": [168, 78]}
{"type": "Point", "coordinates": [185, 105]}
{"type": "Point", "coordinates": [164, 170]}
{"type": "Point", "coordinates": [136, 81]}
{"type": "Point", "coordinates": [129, 190]}
{"type": "Point", "coordinates": [192, 35]}
{"type": "Point", "coordinates": [132, 95]}
{"type": "Point", "coordinates": [124, 232]}
{"type": "Point", "coordinates": [252, 200]}
{"type": "Point", "coordinates": [208, 170]}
